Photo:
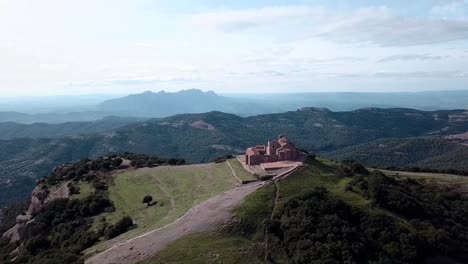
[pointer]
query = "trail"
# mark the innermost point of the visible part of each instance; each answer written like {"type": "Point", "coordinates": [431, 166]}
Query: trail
{"type": "Point", "coordinates": [203, 217]}
{"type": "Point", "coordinates": [233, 171]}
{"type": "Point", "coordinates": [171, 199]}
{"type": "Point", "coordinates": [200, 218]}
{"type": "Point", "coordinates": [275, 181]}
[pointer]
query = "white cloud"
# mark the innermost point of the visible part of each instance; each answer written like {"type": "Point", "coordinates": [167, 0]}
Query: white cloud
{"type": "Point", "coordinates": [411, 57]}
{"type": "Point", "coordinates": [235, 20]}
{"type": "Point", "coordinates": [375, 25]}
{"type": "Point", "coordinates": [45, 45]}
{"type": "Point", "coordinates": [381, 26]}
{"type": "Point", "coordinates": [451, 9]}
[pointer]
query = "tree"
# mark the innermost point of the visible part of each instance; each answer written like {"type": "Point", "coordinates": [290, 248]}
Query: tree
{"type": "Point", "coordinates": [147, 200]}
{"type": "Point", "coordinates": [117, 162]}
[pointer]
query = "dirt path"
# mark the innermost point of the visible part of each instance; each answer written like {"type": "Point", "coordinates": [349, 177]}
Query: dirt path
{"type": "Point", "coordinates": [233, 172]}
{"type": "Point", "coordinates": [200, 218]}
{"type": "Point", "coordinates": [171, 199]}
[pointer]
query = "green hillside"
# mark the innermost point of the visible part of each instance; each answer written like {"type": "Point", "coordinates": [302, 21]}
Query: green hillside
{"type": "Point", "coordinates": [10, 130]}
{"type": "Point", "coordinates": [205, 137]}
{"type": "Point", "coordinates": [105, 205]}
{"type": "Point", "coordinates": [175, 189]}
{"type": "Point", "coordinates": [424, 152]}
{"type": "Point", "coordinates": [319, 215]}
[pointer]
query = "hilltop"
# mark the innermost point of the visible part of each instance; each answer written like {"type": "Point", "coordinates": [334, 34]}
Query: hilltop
{"type": "Point", "coordinates": [325, 210]}
{"type": "Point", "coordinates": [324, 213]}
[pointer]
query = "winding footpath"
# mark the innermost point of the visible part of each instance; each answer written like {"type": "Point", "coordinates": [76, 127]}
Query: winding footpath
{"type": "Point", "coordinates": [200, 218]}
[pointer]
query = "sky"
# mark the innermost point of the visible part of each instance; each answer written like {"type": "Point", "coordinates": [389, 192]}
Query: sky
{"type": "Point", "coordinates": [67, 47]}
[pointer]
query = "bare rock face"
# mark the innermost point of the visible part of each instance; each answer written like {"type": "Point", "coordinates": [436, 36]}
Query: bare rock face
{"type": "Point", "coordinates": [40, 197]}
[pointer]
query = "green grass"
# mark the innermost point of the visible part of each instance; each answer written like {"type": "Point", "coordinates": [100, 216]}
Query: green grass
{"type": "Point", "coordinates": [439, 178]}
{"type": "Point", "coordinates": [207, 248]}
{"type": "Point", "coordinates": [320, 174]}
{"type": "Point", "coordinates": [242, 173]}
{"type": "Point", "coordinates": [257, 207]}
{"type": "Point", "coordinates": [175, 188]}
{"type": "Point", "coordinates": [86, 189]}
{"type": "Point", "coordinates": [224, 248]}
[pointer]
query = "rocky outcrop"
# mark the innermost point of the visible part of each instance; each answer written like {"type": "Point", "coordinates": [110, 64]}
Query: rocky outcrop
{"type": "Point", "coordinates": [40, 197]}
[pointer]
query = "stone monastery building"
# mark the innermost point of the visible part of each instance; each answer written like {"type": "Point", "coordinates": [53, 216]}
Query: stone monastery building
{"type": "Point", "coordinates": [276, 150]}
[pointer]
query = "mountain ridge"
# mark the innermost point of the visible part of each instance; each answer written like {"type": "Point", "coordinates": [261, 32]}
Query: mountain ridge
{"type": "Point", "coordinates": [206, 136]}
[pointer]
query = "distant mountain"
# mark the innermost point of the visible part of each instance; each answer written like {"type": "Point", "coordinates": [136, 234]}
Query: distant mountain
{"type": "Point", "coordinates": [346, 101]}
{"type": "Point", "coordinates": [51, 118]}
{"type": "Point", "coordinates": [358, 135]}
{"type": "Point", "coordinates": [10, 130]}
{"type": "Point", "coordinates": [163, 104]}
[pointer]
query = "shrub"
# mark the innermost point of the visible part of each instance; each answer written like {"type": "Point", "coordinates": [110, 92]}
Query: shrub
{"type": "Point", "coordinates": [117, 162]}
{"type": "Point", "coordinates": [37, 244]}
{"type": "Point", "coordinates": [119, 228]}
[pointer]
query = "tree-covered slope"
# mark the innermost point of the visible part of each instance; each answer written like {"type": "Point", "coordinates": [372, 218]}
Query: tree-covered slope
{"type": "Point", "coordinates": [204, 137]}
{"type": "Point", "coordinates": [10, 130]}
{"type": "Point", "coordinates": [325, 213]}
{"type": "Point", "coordinates": [424, 152]}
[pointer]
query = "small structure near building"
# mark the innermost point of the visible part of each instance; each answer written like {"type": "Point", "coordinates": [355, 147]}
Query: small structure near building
{"type": "Point", "coordinates": [276, 150]}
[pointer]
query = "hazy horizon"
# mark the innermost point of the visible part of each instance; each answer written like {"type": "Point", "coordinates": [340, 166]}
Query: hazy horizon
{"type": "Point", "coordinates": [55, 47]}
{"type": "Point", "coordinates": [236, 94]}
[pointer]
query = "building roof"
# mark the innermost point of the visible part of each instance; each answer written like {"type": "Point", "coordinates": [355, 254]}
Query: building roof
{"type": "Point", "coordinates": [252, 151]}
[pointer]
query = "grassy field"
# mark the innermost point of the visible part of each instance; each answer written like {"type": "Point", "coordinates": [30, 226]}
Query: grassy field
{"type": "Point", "coordinates": [255, 209]}
{"type": "Point", "coordinates": [211, 248]}
{"type": "Point", "coordinates": [243, 174]}
{"type": "Point", "coordinates": [174, 188]}
{"type": "Point", "coordinates": [207, 248]}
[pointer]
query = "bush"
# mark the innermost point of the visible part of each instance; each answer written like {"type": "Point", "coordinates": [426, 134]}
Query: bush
{"type": "Point", "coordinates": [119, 228]}
{"type": "Point", "coordinates": [37, 244]}
{"type": "Point", "coordinates": [117, 162]}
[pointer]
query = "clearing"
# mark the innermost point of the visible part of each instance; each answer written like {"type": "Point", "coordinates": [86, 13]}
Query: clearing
{"type": "Point", "coordinates": [175, 189]}
{"type": "Point", "coordinates": [200, 218]}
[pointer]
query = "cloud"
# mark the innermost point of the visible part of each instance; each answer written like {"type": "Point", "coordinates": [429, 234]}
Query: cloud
{"type": "Point", "coordinates": [375, 25]}
{"type": "Point", "coordinates": [450, 9]}
{"type": "Point", "coordinates": [382, 27]}
{"type": "Point", "coordinates": [236, 20]}
{"type": "Point", "coordinates": [411, 57]}
{"type": "Point", "coordinates": [400, 75]}
{"type": "Point", "coordinates": [422, 74]}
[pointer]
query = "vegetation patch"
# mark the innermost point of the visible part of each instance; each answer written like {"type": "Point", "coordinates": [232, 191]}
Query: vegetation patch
{"type": "Point", "coordinates": [61, 228]}
{"type": "Point", "coordinates": [174, 189]}
{"type": "Point", "coordinates": [240, 172]}
{"type": "Point", "coordinates": [329, 213]}
{"type": "Point", "coordinates": [208, 248]}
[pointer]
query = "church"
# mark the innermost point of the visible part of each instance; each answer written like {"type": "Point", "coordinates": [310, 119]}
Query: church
{"type": "Point", "coordinates": [276, 150]}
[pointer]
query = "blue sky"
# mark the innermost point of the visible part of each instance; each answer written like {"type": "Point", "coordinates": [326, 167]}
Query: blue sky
{"type": "Point", "coordinates": [65, 47]}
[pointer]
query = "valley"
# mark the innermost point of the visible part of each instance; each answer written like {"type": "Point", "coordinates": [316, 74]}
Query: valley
{"type": "Point", "coordinates": [376, 137]}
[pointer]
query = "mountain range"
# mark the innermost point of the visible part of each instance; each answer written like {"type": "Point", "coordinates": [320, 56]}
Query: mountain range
{"type": "Point", "coordinates": [163, 104]}
{"type": "Point", "coordinates": [377, 137]}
